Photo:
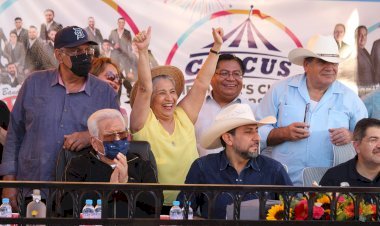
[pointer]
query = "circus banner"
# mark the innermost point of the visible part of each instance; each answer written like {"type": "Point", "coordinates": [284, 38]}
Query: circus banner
{"type": "Point", "coordinates": [260, 32]}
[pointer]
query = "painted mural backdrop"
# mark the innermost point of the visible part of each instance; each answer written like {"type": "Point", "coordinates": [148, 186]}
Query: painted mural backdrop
{"type": "Point", "coordinates": [261, 32]}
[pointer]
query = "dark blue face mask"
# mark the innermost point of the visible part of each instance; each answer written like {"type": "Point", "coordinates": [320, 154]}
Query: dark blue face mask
{"type": "Point", "coordinates": [112, 148]}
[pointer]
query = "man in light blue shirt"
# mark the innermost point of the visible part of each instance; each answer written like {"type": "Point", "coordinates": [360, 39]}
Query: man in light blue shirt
{"type": "Point", "coordinates": [313, 110]}
{"type": "Point", "coordinates": [372, 102]}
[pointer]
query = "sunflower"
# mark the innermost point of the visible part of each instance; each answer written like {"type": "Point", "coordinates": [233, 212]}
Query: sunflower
{"type": "Point", "coordinates": [276, 213]}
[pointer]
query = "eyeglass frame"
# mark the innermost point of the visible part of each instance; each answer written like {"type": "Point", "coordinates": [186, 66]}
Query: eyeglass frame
{"type": "Point", "coordinates": [121, 135]}
{"type": "Point", "coordinates": [228, 73]}
{"type": "Point", "coordinates": [87, 51]}
{"type": "Point", "coordinates": [112, 77]}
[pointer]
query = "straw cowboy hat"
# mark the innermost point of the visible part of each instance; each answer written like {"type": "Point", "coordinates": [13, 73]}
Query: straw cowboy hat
{"type": "Point", "coordinates": [171, 71]}
{"type": "Point", "coordinates": [318, 46]}
{"type": "Point", "coordinates": [230, 118]}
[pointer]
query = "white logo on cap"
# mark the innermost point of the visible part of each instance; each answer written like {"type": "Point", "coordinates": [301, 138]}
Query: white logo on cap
{"type": "Point", "coordinates": [79, 32]}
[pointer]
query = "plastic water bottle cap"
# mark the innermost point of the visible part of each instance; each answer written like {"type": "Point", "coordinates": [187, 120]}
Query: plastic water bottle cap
{"type": "Point", "coordinates": [5, 200]}
{"type": "Point", "coordinates": [99, 202]}
{"type": "Point", "coordinates": [175, 203]}
{"type": "Point", "coordinates": [88, 202]}
{"type": "Point", "coordinates": [36, 192]}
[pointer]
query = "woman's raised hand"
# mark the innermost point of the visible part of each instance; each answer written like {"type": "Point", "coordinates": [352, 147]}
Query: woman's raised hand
{"type": "Point", "coordinates": [142, 39]}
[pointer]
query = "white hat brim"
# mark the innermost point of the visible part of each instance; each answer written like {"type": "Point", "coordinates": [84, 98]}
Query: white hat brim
{"type": "Point", "coordinates": [297, 56]}
{"type": "Point", "coordinates": [211, 138]}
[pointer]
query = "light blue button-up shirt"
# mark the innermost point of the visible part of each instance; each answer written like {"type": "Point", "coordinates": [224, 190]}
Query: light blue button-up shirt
{"type": "Point", "coordinates": [372, 102]}
{"type": "Point", "coordinates": [339, 107]}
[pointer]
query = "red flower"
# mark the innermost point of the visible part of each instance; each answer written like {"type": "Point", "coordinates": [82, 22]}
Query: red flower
{"type": "Point", "coordinates": [349, 210]}
{"type": "Point", "coordinates": [300, 211]}
{"type": "Point", "coordinates": [318, 212]}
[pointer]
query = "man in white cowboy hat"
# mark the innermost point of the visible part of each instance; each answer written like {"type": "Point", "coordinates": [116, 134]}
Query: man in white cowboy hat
{"type": "Point", "coordinates": [236, 129]}
{"type": "Point", "coordinates": [314, 111]}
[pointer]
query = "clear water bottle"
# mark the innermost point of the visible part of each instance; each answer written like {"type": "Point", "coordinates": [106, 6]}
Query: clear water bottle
{"type": "Point", "coordinates": [5, 209]}
{"type": "Point", "coordinates": [175, 211]}
{"type": "Point", "coordinates": [190, 213]}
{"type": "Point", "coordinates": [88, 210]}
{"type": "Point", "coordinates": [98, 209]}
{"type": "Point", "coordinates": [36, 208]}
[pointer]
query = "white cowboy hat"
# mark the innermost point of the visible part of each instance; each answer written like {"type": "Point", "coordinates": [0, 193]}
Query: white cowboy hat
{"type": "Point", "coordinates": [230, 118]}
{"type": "Point", "coordinates": [318, 46]}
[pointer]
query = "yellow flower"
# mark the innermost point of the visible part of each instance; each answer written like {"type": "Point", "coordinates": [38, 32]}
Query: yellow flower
{"type": "Point", "coordinates": [276, 212]}
{"type": "Point", "coordinates": [324, 200]}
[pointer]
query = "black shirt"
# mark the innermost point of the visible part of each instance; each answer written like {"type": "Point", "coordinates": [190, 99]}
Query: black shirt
{"type": "Point", "coordinates": [88, 168]}
{"type": "Point", "coordinates": [346, 172]}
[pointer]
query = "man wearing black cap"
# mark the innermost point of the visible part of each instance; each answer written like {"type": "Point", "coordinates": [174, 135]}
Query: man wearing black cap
{"type": "Point", "coordinates": [51, 111]}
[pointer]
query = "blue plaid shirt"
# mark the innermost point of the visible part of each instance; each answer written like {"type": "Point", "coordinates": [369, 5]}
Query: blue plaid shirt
{"type": "Point", "coordinates": [43, 113]}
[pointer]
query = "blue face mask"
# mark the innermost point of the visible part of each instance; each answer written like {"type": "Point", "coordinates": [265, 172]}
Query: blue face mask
{"type": "Point", "coordinates": [112, 148]}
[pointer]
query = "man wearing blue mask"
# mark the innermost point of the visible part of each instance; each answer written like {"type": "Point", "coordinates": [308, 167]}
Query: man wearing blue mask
{"type": "Point", "coordinates": [51, 111]}
{"type": "Point", "coordinates": [108, 159]}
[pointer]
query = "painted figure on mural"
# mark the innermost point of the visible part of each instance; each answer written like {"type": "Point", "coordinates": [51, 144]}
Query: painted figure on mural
{"type": "Point", "coordinates": [365, 76]}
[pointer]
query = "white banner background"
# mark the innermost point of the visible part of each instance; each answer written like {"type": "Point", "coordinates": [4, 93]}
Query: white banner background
{"type": "Point", "coordinates": [186, 25]}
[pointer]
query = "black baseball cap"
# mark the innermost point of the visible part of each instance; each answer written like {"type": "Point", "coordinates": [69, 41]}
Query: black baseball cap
{"type": "Point", "coordinates": [71, 36]}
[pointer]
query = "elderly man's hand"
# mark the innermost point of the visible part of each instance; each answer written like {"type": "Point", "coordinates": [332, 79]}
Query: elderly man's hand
{"type": "Point", "coordinates": [340, 136]}
{"type": "Point", "coordinates": [77, 141]}
{"type": "Point", "coordinates": [297, 131]}
{"type": "Point", "coordinates": [120, 173]}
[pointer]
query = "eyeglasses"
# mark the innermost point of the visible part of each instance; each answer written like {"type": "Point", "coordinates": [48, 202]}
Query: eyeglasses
{"type": "Point", "coordinates": [113, 77]}
{"type": "Point", "coordinates": [225, 74]}
{"type": "Point", "coordinates": [116, 136]}
{"type": "Point", "coordinates": [373, 141]}
{"type": "Point", "coordinates": [77, 52]}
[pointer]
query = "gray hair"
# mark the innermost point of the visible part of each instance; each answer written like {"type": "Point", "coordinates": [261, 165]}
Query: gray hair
{"type": "Point", "coordinates": [161, 77]}
{"type": "Point", "coordinates": [96, 117]}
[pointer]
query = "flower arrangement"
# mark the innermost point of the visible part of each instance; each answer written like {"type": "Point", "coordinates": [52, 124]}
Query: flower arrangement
{"type": "Point", "coordinates": [322, 209]}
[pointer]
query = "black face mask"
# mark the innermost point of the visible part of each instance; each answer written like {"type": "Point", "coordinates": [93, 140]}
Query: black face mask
{"type": "Point", "coordinates": [81, 64]}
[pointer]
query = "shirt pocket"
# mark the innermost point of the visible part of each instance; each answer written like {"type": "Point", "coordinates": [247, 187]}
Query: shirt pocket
{"type": "Point", "coordinates": [289, 114]}
{"type": "Point", "coordinates": [338, 119]}
{"type": "Point", "coordinates": [35, 108]}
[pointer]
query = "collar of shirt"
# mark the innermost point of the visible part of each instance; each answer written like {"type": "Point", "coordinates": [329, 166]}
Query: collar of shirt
{"type": "Point", "coordinates": [300, 83]}
{"type": "Point", "coordinates": [49, 24]}
{"type": "Point", "coordinates": [58, 80]}
{"type": "Point", "coordinates": [92, 30]}
{"type": "Point", "coordinates": [224, 162]}
{"type": "Point", "coordinates": [31, 42]}
{"type": "Point", "coordinates": [354, 175]}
